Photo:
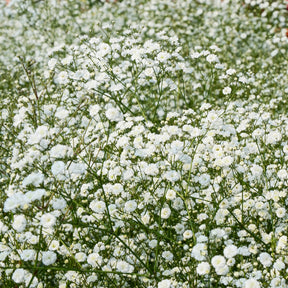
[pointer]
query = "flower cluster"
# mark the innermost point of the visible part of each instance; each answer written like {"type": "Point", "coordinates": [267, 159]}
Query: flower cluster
{"type": "Point", "coordinates": [141, 153]}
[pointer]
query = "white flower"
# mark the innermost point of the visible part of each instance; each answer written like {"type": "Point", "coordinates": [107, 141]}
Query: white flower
{"type": "Point", "coordinates": [178, 203]}
{"type": "Point", "coordinates": [54, 245]}
{"type": "Point", "coordinates": [153, 243]}
{"type": "Point", "coordinates": [91, 84]}
{"type": "Point", "coordinates": [179, 228]}
{"type": "Point", "coordinates": [199, 251]}
{"type": "Point", "coordinates": [218, 261]}
{"type": "Point", "coordinates": [123, 142]}
{"type": "Point", "coordinates": [51, 63]}
{"type": "Point", "coordinates": [258, 133]}
{"type": "Point", "coordinates": [62, 113]}
{"type": "Point", "coordinates": [176, 147]}
{"type": "Point", "coordinates": [167, 255]}
{"type": "Point", "coordinates": [151, 170]}
{"type": "Point", "coordinates": [149, 72]}
{"type": "Point", "coordinates": [170, 194]}
{"type": "Point", "coordinates": [203, 268]}
{"type": "Point", "coordinates": [231, 262]}
{"type": "Point", "coordinates": [59, 203]}
{"type": "Point", "coordinates": [94, 110]}
{"type": "Point", "coordinates": [273, 137]}
{"type": "Point", "coordinates": [164, 284]}
{"type": "Point", "coordinates": [230, 71]}
{"type": "Point", "coordinates": [187, 234]}
{"type": "Point", "coordinates": [3, 255]}
{"type": "Point", "coordinates": [256, 170]}
{"type": "Point", "coordinates": [93, 278]}
{"type": "Point", "coordinates": [165, 213]}
{"type": "Point", "coordinates": [49, 258]}
{"type": "Point", "coordinates": [204, 179]}
{"type": "Point", "coordinates": [31, 196]}
{"type": "Point", "coordinates": [40, 133]}
{"type": "Point", "coordinates": [60, 151]}
{"type": "Point", "coordinates": [227, 161]}
{"type": "Point", "coordinates": [3, 228]}
{"type": "Point", "coordinates": [58, 170]}
{"type": "Point", "coordinates": [80, 257]}
{"type": "Point", "coordinates": [33, 179]}
{"type": "Point", "coordinates": [13, 201]}
{"type": "Point", "coordinates": [117, 189]}
{"type": "Point", "coordinates": [28, 255]}
{"type": "Point", "coordinates": [279, 265]}
{"type": "Point", "coordinates": [265, 259]}
{"type": "Point", "coordinates": [281, 212]}
{"type": "Point", "coordinates": [145, 218]}
{"type": "Point", "coordinates": [212, 116]}
{"type": "Point", "coordinates": [103, 49]}
{"type": "Point", "coordinates": [67, 60]}
{"type": "Point", "coordinates": [285, 149]}
{"type": "Point", "coordinates": [163, 56]}
{"type": "Point", "coordinates": [94, 259]}
{"type": "Point", "coordinates": [62, 77]}
{"type": "Point", "coordinates": [113, 114]}
{"type": "Point", "coordinates": [130, 206]}
{"type": "Point", "coordinates": [172, 175]}
{"type": "Point", "coordinates": [151, 46]}
{"type": "Point", "coordinates": [252, 283]}
{"type": "Point", "coordinates": [282, 243]}
{"type": "Point", "coordinates": [98, 206]}
{"type": "Point", "coordinates": [278, 282]}
{"type": "Point", "coordinates": [47, 220]}
{"type": "Point", "coordinates": [19, 223]}
{"type": "Point", "coordinates": [230, 251]}
{"type": "Point", "coordinates": [282, 174]}
{"type": "Point", "coordinates": [212, 58]}
{"type": "Point", "coordinates": [222, 270]}
{"type": "Point", "coordinates": [195, 55]}
{"type": "Point", "coordinates": [28, 282]}
{"type": "Point", "coordinates": [124, 267]}
{"type": "Point", "coordinates": [32, 239]}
{"type": "Point", "coordinates": [19, 275]}
{"type": "Point", "coordinates": [226, 91]}
{"type": "Point", "coordinates": [76, 169]}
{"type": "Point", "coordinates": [243, 79]}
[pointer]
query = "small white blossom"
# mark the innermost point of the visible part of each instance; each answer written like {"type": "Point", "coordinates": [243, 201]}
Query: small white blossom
{"type": "Point", "coordinates": [18, 275]}
{"type": "Point", "coordinates": [113, 114]}
{"type": "Point", "coordinates": [98, 206]}
{"type": "Point", "coordinates": [163, 56]}
{"type": "Point", "coordinates": [203, 268]}
{"type": "Point", "coordinates": [252, 283]}
{"type": "Point", "coordinates": [130, 206]}
{"type": "Point", "coordinates": [48, 220]}
{"type": "Point", "coordinates": [19, 223]}
{"type": "Point", "coordinates": [230, 251]}
{"type": "Point", "coordinates": [62, 78]}
{"type": "Point", "coordinates": [94, 259]}
{"type": "Point", "coordinates": [218, 261]}
{"type": "Point", "coordinates": [164, 284]}
{"type": "Point", "coordinates": [165, 213]}
{"type": "Point", "coordinates": [226, 91]}
{"type": "Point", "coordinates": [49, 258]}
{"type": "Point", "coordinates": [212, 58]}
{"type": "Point", "coordinates": [265, 259]}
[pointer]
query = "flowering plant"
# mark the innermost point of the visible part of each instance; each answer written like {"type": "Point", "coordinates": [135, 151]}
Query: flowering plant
{"type": "Point", "coordinates": [147, 147]}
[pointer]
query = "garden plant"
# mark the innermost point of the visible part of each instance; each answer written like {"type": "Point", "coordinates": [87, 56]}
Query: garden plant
{"type": "Point", "coordinates": [143, 143]}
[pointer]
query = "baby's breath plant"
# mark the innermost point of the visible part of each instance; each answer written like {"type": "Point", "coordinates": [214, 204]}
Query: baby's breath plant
{"type": "Point", "coordinates": [143, 144]}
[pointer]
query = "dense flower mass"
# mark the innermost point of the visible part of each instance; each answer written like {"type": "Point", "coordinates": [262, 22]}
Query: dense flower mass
{"type": "Point", "coordinates": [143, 144]}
